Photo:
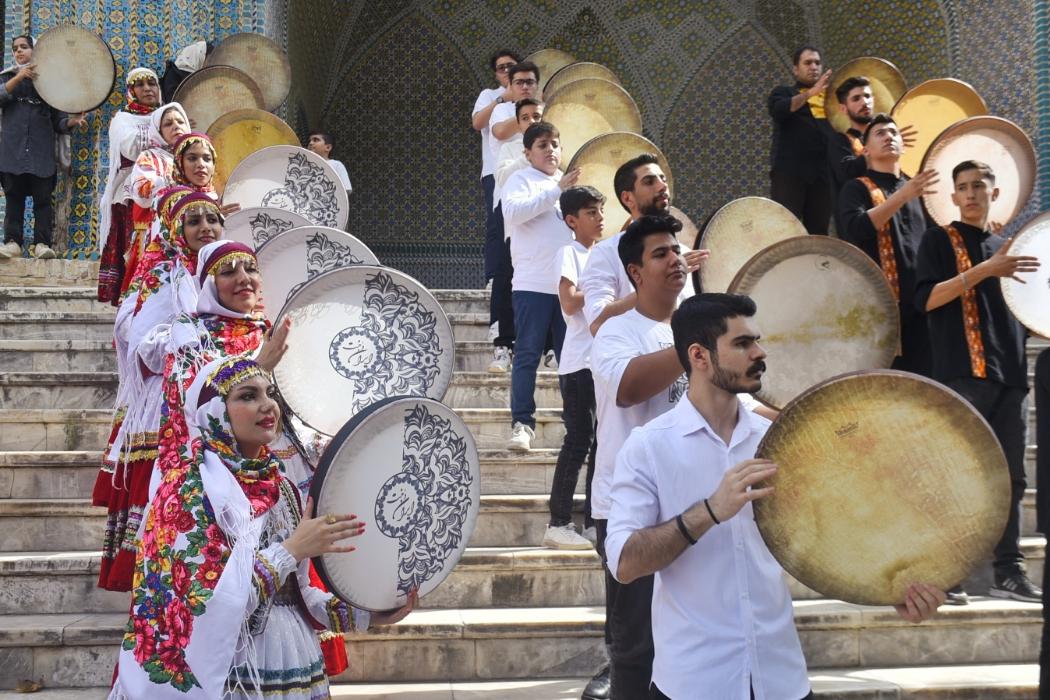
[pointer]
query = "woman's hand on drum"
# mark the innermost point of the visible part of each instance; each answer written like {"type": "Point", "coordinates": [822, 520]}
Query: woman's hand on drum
{"type": "Point", "coordinates": [920, 602]}
{"type": "Point", "coordinates": [28, 71]}
{"type": "Point", "coordinates": [76, 120]}
{"type": "Point", "coordinates": [735, 490]}
{"type": "Point", "coordinates": [322, 535]}
{"type": "Point", "coordinates": [228, 209]}
{"type": "Point", "coordinates": [274, 347]}
{"type": "Point", "coordinates": [391, 617]}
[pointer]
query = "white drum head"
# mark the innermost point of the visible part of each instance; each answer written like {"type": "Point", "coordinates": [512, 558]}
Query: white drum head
{"type": "Point", "coordinates": [293, 179]}
{"type": "Point", "coordinates": [256, 225]}
{"type": "Point", "coordinates": [75, 69]}
{"type": "Point", "coordinates": [361, 334]}
{"type": "Point", "coordinates": [408, 467]}
{"type": "Point", "coordinates": [1030, 301]}
{"type": "Point", "coordinates": [293, 258]}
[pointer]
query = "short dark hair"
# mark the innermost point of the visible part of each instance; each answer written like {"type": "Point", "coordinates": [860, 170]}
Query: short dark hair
{"type": "Point", "coordinates": [880, 118]}
{"type": "Point", "coordinates": [624, 179]}
{"type": "Point", "coordinates": [523, 67]}
{"type": "Point", "coordinates": [632, 243]}
{"type": "Point", "coordinates": [703, 318]}
{"type": "Point", "coordinates": [538, 130]}
{"type": "Point", "coordinates": [576, 198]}
{"type": "Point", "coordinates": [797, 56]}
{"type": "Point", "coordinates": [27, 37]}
{"type": "Point", "coordinates": [526, 102]}
{"type": "Point", "coordinates": [325, 136]}
{"type": "Point", "coordinates": [983, 168]}
{"type": "Point", "coordinates": [848, 85]}
{"type": "Point", "coordinates": [503, 52]}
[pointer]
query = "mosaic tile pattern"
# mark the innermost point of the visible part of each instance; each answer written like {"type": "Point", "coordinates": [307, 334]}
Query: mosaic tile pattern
{"type": "Point", "coordinates": [1041, 28]}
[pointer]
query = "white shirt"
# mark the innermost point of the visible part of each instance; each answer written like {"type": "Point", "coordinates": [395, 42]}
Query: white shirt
{"type": "Point", "coordinates": [487, 97]}
{"type": "Point", "coordinates": [576, 349]}
{"type": "Point", "coordinates": [722, 615]}
{"type": "Point", "coordinates": [510, 160]}
{"type": "Point", "coordinates": [344, 176]}
{"type": "Point", "coordinates": [620, 340]}
{"type": "Point", "coordinates": [500, 113]}
{"type": "Point", "coordinates": [532, 219]}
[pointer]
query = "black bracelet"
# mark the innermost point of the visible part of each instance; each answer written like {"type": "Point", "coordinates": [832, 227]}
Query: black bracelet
{"type": "Point", "coordinates": [682, 529]}
{"type": "Point", "coordinates": [711, 512]}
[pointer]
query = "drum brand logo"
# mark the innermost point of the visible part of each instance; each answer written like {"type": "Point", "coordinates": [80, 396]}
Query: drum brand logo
{"type": "Point", "coordinates": [847, 429]}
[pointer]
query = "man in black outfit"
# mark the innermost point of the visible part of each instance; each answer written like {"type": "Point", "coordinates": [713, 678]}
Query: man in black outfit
{"type": "Point", "coordinates": [799, 177]}
{"type": "Point", "coordinates": [1042, 501]}
{"type": "Point", "coordinates": [957, 287]}
{"type": "Point", "coordinates": [882, 215]}
{"type": "Point", "coordinates": [846, 150]}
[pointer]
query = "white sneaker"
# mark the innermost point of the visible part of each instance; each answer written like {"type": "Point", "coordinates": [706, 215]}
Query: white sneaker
{"type": "Point", "coordinates": [42, 251]}
{"type": "Point", "coordinates": [500, 360]}
{"type": "Point", "coordinates": [591, 535]}
{"type": "Point", "coordinates": [550, 361]}
{"type": "Point", "coordinates": [488, 285]}
{"type": "Point", "coordinates": [521, 438]}
{"type": "Point", "coordinates": [564, 537]}
{"type": "Point", "coordinates": [10, 250]}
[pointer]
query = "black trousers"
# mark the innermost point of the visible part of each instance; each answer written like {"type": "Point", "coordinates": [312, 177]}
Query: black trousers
{"type": "Point", "coordinates": [628, 630]}
{"type": "Point", "coordinates": [809, 201]}
{"type": "Point", "coordinates": [492, 240]}
{"type": "Point", "coordinates": [16, 189]}
{"type": "Point", "coordinates": [1042, 483]}
{"type": "Point", "coordinates": [655, 694]}
{"type": "Point", "coordinates": [1005, 409]}
{"type": "Point", "coordinates": [501, 308]}
{"type": "Point", "coordinates": [578, 414]}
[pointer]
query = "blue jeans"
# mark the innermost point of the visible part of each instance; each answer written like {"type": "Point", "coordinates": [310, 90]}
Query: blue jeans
{"type": "Point", "coordinates": [493, 229]}
{"type": "Point", "coordinates": [535, 314]}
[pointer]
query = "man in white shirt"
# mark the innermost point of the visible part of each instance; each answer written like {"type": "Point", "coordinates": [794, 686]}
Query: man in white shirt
{"type": "Point", "coordinates": [322, 143]}
{"type": "Point", "coordinates": [537, 233]}
{"type": "Point", "coordinates": [722, 618]}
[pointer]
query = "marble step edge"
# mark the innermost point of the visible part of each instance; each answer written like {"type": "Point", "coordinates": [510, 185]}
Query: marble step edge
{"type": "Point", "coordinates": [8, 291]}
{"type": "Point", "coordinates": [544, 379]}
{"type": "Point", "coordinates": [103, 415]}
{"type": "Point", "coordinates": [60, 629]}
{"type": "Point", "coordinates": [36, 345]}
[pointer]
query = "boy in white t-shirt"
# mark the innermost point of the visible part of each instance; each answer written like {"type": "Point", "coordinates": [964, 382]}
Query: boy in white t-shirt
{"type": "Point", "coordinates": [537, 233]}
{"type": "Point", "coordinates": [583, 211]}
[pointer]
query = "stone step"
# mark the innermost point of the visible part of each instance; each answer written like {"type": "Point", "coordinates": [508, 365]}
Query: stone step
{"type": "Point", "coordinates": [77, 650]}
{"type": "Point", "coordinates": [52, 325]}
{"type": "Point", "coordinates": [57, 356]}
{"type": "Point", "coordinates": [453, 301]}
{"type": "Point", "coordinates": [69, 429]}
{"type": "Point", "coordinates": [51, 299]}
{"type": "Point", "coordinates": [27, 272]}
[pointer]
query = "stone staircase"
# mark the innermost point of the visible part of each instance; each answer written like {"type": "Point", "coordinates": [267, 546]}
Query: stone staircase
{"type": "Point", "coordinates": [513, 620]}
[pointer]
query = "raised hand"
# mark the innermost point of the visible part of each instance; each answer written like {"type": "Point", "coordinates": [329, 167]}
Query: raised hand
{"type": "Point", "coordinates": [695, 258]}
{"type": "Point", "coordinates": [1002, 264]}
{"type": "Point", "coordinates": [908, 135]}
{"type": "Point", "coordinates": [569, 179]}
{"type": "Point", "coordinates": [733, 494]}
{"type": "Point", "coordinates": [27, 71]}
{"type": "Point", "coordinates": [275, 346]}
{"type": "Point", "coordinates": [316, 536]}
{"type": "Point", "coordinates": [923, 183]}
{"type": "Point", "coordinates": [920, 602]}
{"type": "Point", "coordinates": [822, 84]}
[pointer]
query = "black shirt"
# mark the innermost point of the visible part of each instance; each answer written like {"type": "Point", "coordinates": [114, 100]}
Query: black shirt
{"type": "Point", "coordinates": [843, 166]}
{"type": "Point", "coordinates": [1002, 335]}
{"type": "Point", "coordinates": [29, 126]}
{"type": "Point", "coordinates": [799, 139]}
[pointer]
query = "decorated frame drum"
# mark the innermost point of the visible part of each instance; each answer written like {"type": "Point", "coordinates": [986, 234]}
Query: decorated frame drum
{"type": "Point", "coordinates": [549, 61]}
{"type": "Point", "coordinates": [212, 92]}
{"type": "Point", "coordinates": [238, 134]}
{"type": "Point", "coordinates": [291, 259]}
{"type": "Point", "coordinates": [885, 479]}
{"type": "Point", "coordinates": [587, 108]}
{"type": "Point", "coordinates": [254, 226]}
{"type": "Point", "coordinates": [75, 69]}
{"type": "Point", "coordinates": [931, 107]}
{"type": "Point", "coordinates": [887, 86]}
{"type": "Point", "coordinates": [293, 179]}
{"type": "Point", "coordinates": [361, 334]}
{"type": "Point", "coordinates": [409, 468]}
{"type": "Point", "coordinates": [260, 57]}
{"type": "Point", "coordinates": [1030, 301]}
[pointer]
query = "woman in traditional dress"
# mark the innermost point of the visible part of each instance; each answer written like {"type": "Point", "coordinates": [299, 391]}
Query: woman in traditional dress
{"type": "Point", "coordinates": [216, 610]}
{"type": "Point", "coordinates": [167, 288]}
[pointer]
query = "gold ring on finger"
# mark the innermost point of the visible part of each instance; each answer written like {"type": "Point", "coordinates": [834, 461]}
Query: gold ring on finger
{"type": "Point", "coordinates": [330, 519]}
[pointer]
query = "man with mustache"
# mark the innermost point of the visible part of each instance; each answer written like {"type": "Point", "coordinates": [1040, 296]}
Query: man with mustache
{"type": "Point", "coordinates": [722, 618]}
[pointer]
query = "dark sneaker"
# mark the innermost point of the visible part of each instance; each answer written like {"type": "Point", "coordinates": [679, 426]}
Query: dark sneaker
{"type": "Point", "coordinates": [957, 596]}
{"type": "Point", "coordinates": [1016, 587]}
{"type": "Point", "coordinates": [598, 688]}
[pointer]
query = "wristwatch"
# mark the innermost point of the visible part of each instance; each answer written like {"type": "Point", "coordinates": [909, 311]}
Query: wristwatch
{"type": "Point", "coordinates": [500, 100]}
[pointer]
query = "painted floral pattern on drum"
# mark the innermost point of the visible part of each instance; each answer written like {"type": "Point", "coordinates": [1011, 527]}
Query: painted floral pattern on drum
{"type": "Point", "coordinates": [425, 505]}
{"type": "Point", "coordinates": [395, 348]}
{"type": "Point", "coordinates": [308, 191]}
{"type": "Point", "coordinates": [324, 255]}
{"type": "Point", "coordinates": [264, 227]}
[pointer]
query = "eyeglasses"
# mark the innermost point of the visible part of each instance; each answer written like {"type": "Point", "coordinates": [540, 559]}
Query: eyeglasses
{"type": "Point", "coordinates": [525, 83]}
{"type": "Point", "coordinates": [504, 67]}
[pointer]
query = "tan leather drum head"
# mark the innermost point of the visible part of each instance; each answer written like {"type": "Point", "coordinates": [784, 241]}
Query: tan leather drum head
{"type": "Point", "coordinates": [212, 92]}
{"type": "Point", "coordinates": [599, 158]}
{"type": "Point", "coordinates": [587, 108]}
{"type": "Point", "coordinates": [75, 69]}
{"type": "Point", "coordinates": [996, 141]}
{"type": "Point", "coordinates": [1030, 301]}
{"type": "Point", "coordinates": [238, 134]}
{"type": "Point", "coordinates": [824, 308]}
{"type": "Point", "coordinates": [578, 71]}
{"type": "Point", "coordinates": [549, 61]}
{"type": "Point", "coordinates": [887, 86]}
{"type": "Point", "coordinates": [931, 107]}
{"type": "Point", "coordinates": [261, 58]}
{"type": "Point", "coordinates": [689, 233]}
{"type": "Point", "coordinates": [737, 232]}
{"type": "Point", "coordinates": [886, 479]}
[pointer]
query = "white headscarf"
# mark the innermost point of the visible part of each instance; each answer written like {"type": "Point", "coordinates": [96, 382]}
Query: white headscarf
{"type": "Point", "coordinates": [191, 58]}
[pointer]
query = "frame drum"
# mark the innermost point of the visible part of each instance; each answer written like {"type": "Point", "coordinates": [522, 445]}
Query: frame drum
{"type": "Point", "coordinates": [293, 179]}
{"type": "Point", "coordinates": [931, 107]}
{"type": "Point", "coordinates": [847, 318]}
{"type": "Point", "coordinates": [238, 134]}
{"type": "Point", "coordinates": [996, 141]}
{"type": "Point", "coordinates": [549, 61]}
{"type": "Point", "coordinates": [409, 468]}
{"type": "Point", "coordinates": [689, 234]}
{"type": "Point", "coordinates": [738, 231]}
{"type": "Point", "coordinates": [361, 334]}
{"type": "Point", "coordinates": [212, 92]}
{"type": "Point", "coordinates": [261, 58]}
{"type": "Point", "coordinates": [1030, 302]}
{"type": "Point", "coordinates": [886, 479]}
{"type": "Point", "coordinates": [887, 86]}
{"type": "Point", "coordinates": [75, 69]}
{"type": "Point", "coordinates": [291, 259]}
{"type": "Point", "coordinates": [578, 71]}
{"type": "Point", "coordinates": [254, 226]}
{"type": "Point", "coordinates": [587, 108]}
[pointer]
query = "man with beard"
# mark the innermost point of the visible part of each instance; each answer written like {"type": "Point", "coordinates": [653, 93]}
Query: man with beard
{"type": "Point", "coordinates": [681, 509]}
{"type": "Point", "coordinates": [128, 137]}
{"type": "Point", "coordinates": [799, 177]}
{"type": "Point", "coordinates": [882, 215]}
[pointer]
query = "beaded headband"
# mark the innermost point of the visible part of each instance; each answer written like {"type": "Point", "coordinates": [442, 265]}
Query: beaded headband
{"type": "Point", "coordinates": [226, 376]}
{"type": "Point", "coordinates": [230, 253]}
{"type": "Point", "coordinates": [168, 199]}
{"type": "Point", "coordinates": [183, 204]}
{"type": "Point", "coordinates": [137, 75]}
